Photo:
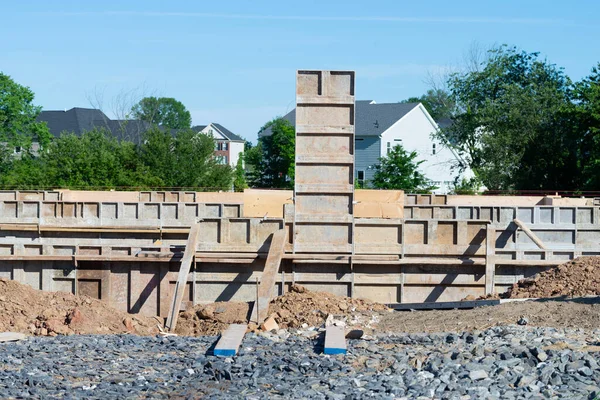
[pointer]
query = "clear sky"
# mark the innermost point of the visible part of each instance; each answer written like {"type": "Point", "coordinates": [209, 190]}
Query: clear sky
{"type": "Point", "coordinates": [234, 62]}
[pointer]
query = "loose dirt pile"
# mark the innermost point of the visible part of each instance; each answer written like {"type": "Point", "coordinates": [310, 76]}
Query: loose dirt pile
{"type": "Point", "coordinates": [297, 307]}
{"type": "Point", "coordinates": [24, 309]}
{"type": "Point", "coordinates": [211, 319]}
{"type": "Point", "coordinates": [580, 277]}
{"type": "Point", "coordinates": [300, 306]}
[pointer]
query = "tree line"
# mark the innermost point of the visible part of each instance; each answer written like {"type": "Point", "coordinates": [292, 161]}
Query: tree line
{"type": "Point", "coordinates": [170, 154]}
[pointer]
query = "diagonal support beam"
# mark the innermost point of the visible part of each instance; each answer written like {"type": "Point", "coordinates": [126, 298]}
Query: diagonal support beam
{"type": "Point", "coordinates": [269, 276]}
{"type": "Point", "coordinates": [184, 270]}
{"type": "Point", "coordinates": [529, 233]}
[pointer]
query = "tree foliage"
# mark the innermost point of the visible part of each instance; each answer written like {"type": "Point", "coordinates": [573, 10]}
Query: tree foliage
{"type": "Point", "coordinates": [163, 111]}
{"type": "Point", "coordinates": [439, 103]}
{"type": "Point", "coordinates": [586, 118]}
{"type": "Point", "coordinates": [239, 179]}
{"type": "Point", "coordinates": [97, 160]}
{"type": "Point", "coordinates": [18, 126]}
{"type": "Point", "coordinates": [272, 160]}
{"type": "Point", "coordinates": [513, 122]}
{"type": "Point", "coordinates": [400, 170]}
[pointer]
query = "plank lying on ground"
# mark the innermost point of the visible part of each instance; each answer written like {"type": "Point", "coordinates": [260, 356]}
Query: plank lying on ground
{"type": "Point", "coordinates": [230, 340]}
{"type": "Point", "coordinates": [184, 270]}
{"type": "Point", "coordinates": [529, 233]}
{"type": "Point", "coordinates": [266, 288]}
{"type": "Point", "coordinates": [11, 336]}
{"type": "Point", "coordinates": [335, 340]}
{"type": "Point", "coordinates": [448, 305]}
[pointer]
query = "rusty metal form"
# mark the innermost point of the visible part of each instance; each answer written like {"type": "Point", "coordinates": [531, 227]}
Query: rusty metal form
{"type": "Point", "coordinates": [324, 178]}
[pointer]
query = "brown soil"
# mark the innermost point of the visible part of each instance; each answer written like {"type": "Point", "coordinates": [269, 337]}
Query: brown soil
{"type": "Point", "coordinates": [24, 309]}
{"type": "Point", "coordinates": [297, 307]}
{"type": "Point", "coordinates": [300, 306]}
{"type": "Point", "coordinates": [558, 313]}
{"type": "Point", "coordinates": [211, 319]}
{"type": "Point", "coordinates": [580, 277]}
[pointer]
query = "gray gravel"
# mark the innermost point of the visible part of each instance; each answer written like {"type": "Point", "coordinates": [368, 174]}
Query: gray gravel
{"type": "Point", "coordinates": [500, 363]}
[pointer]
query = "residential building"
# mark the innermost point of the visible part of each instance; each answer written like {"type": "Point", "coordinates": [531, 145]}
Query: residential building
{"type": "Point", "coordinates": [380, 127]}
{"type": "Point", "coordinates": [229, 147]}
{"type": "Point", "coordinates": [78, 120]}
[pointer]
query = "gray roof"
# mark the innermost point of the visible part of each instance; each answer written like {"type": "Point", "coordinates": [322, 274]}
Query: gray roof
{"type": "Point", "coordinates": [222, 130]}
{"type": "Point", "coordinates": [227, 133]}
{"type": "Point", "coordinates": [198, 128]}
{"type": "Point", "coordinates": [444, 123]}
{"type": "Point", "coordinates": [371, 119]}
{"type": "Point", "coordinates": [79, 120]}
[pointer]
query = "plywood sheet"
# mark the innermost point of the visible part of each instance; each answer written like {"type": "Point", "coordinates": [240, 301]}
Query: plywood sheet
{"type": "Point", "coordinates": [259, 202]}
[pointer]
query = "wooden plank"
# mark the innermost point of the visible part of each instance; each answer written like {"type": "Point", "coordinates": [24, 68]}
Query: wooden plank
{"type": "Point", "coordinates": [11, 336]}
{"type": "Point", "coordinates": [230, 340]}
{"type": "Point", "coordinates": [490, 266]}
{"type": "Point", "coordinates": [335, 340]}
{"type": "Point", "coordinates": [259, 203]}
{"type": "Point", "coordinates": [266, 288]}
{"type": "Point", "coordinates": [184, 270]}
{"type": "Point", "coordinates": [529, 233]}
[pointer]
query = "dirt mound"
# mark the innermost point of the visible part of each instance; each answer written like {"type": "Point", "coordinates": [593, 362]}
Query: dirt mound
{"type": "Point", "coordinates": [300, 306]}
{"type": "Point", "coordinates": [211, 319]}
{"type": "Point", "coordinates": [297, 307]}
{"type": "Point", "coordinates": [24, 309]}
{"type": "Point", "coordinates": [580, 277]}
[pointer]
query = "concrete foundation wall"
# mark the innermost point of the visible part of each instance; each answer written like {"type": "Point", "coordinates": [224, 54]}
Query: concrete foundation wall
{"type": "Point", "coordinates": [128, 253]}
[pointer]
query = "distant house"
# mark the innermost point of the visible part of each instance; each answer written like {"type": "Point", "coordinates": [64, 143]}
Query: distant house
{"type": "Point", "coordinates": [229, 147]}
{"type": "Point", "coordinates": [380, 127]}
{"type": "Point", "coordinates": [79, 120]}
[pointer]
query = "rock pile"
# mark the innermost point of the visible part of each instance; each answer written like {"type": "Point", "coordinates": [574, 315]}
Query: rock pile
{"type": "Point", "coordinates": [500, 363]}
{"type": "Point", "coordinates": [580, 277]}
{"type": "Point", "coordinates": [24, 309]}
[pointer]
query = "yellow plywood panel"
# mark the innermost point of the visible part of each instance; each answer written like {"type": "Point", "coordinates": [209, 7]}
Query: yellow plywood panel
{"type": "Point", "coordinates": [258, 203]}
{"type": "Point", "coordinates": [219, 197]}
{"type": "Point", "coordinates": [379, 196]}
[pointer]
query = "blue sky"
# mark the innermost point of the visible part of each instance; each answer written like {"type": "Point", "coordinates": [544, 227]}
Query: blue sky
{"type": "Point", "coordinates": [234, 62]}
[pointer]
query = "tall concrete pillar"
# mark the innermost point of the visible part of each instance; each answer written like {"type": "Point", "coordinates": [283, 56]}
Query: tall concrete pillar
{"type": "Point", "coordinates": [324, 181]}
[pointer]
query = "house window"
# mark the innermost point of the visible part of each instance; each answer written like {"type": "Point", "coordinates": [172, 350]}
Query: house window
{"type": "Point", "coordinates": [389, 147]}
{"type": "Point", "coordinates": [433, 149]}
{"type": "Point", "coordinates": [360, 179]}
{"type": "Point", "coordinates": [225, 146]}
{"type": "Point", "coordinates": [17, 149]}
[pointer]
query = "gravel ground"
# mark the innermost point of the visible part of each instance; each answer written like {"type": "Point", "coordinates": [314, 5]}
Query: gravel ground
{"type": "Point", "coordinates": [499, 363]}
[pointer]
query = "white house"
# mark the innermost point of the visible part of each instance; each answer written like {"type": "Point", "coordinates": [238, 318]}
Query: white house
{"type": "Point", "coordinates": [229, 147]}
{"type": "Point", "coordinates": [380, 127]}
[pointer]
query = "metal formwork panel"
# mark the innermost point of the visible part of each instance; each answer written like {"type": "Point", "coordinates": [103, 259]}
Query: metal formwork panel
{"type": "Point", "coordinates": [324, 178]}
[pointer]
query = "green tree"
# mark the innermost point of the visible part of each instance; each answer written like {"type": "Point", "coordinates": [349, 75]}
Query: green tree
{"type": "Point", "coordinates": [586, 118]}
{"type": "Point", "coordinates": [512, 122]}
{"type": "Point", "coordinates": [239, 181]}
{"type": "Point", "coordinates": [272, 160]}
{"type": "Point", "coordinates": [438, 103]}
{"type": "Point", "coordinates": [94, 160]}
{"type": "Point", "coordinates": [18, 126]}
{"type": "Point", "coordinates": [163, 111]}
{"type": "Point", "coordinates": [185, 160]}
{"type": "Point", "coordinates": [400, 170]}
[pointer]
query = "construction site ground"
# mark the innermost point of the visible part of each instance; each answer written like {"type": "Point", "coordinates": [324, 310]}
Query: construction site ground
{"type": "Point", "coordinates": [544, 348]}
